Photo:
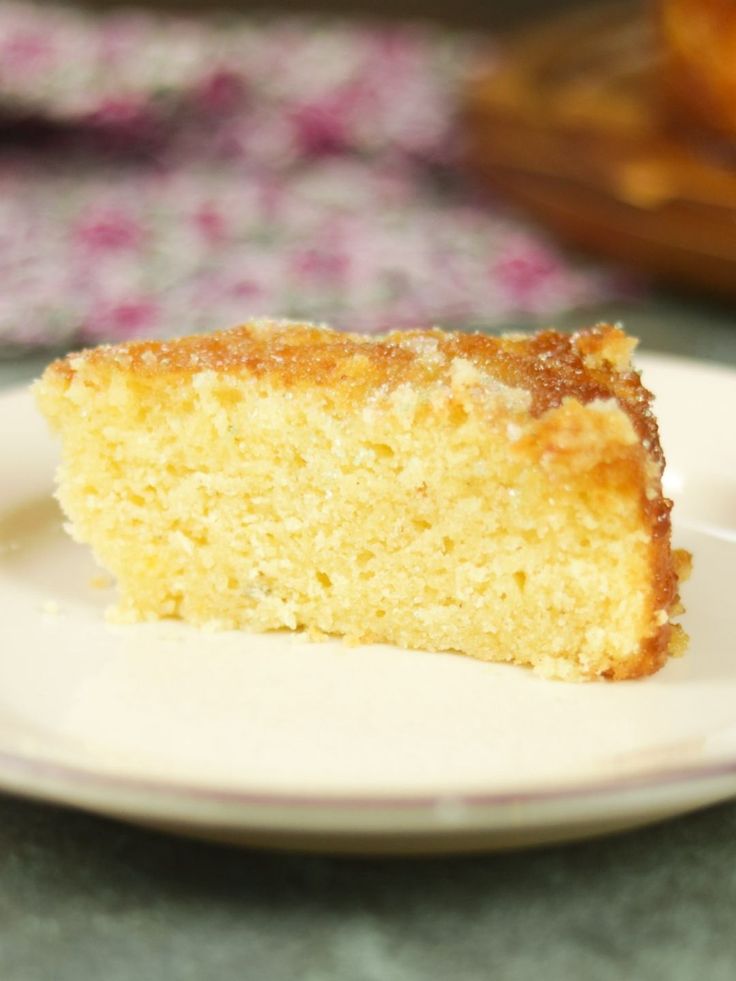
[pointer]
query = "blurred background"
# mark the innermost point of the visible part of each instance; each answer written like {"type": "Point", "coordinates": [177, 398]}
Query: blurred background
{"type": "Point", "coordinates": [176, 167]}
{"type": "Point", "coordinates": [483, 14]}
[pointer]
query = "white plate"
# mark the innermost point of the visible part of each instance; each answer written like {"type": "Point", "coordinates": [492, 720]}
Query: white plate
{"type": "Point", "coordinates": [271, 739]}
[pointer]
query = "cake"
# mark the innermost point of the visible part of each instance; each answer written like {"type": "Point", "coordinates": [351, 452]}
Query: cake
{"type": "Point", "coordinates": [698, 64]}
{"type": "Point", "coordinates": [498, 497]}
{"type": "Point", "coordinates": [618, 135]}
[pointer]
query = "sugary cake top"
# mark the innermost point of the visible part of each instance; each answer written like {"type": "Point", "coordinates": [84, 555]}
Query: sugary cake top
{"type": "Point", "coordinates": [591, 365]}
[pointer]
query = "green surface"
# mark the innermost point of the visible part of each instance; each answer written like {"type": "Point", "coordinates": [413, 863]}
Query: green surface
{"type": "Point", "coordinates": [85, 898]}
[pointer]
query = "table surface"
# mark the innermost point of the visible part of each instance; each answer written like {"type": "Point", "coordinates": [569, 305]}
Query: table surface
{"type": "Point", "coordinates": [83, 897]}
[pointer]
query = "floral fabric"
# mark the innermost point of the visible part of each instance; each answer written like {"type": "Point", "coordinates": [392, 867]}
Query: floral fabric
{"type": "Point", "coordinates": [160, 175]}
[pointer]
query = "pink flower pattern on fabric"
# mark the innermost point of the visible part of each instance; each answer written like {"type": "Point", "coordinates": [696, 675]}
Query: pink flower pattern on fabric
{"type": "Point", "coordinates": [110, 231]}
{"type": "Point", "coordinates": [160, 175]}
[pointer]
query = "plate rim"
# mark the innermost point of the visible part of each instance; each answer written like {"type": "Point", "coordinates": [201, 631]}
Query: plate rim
{"type": "Point", "coordinates": [70, 774]}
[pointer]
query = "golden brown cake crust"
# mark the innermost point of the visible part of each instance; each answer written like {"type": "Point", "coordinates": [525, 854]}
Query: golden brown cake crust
{"type": "Point", "coordinates": [590, 366]}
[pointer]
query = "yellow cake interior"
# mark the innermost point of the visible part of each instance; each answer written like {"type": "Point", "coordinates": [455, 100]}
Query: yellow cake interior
{"type": "Point", "coordinates": [431, 510]}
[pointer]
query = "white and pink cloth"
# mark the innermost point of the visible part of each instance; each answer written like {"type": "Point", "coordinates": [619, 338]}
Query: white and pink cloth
{"type": "Point", "coordinates": [161, 174]}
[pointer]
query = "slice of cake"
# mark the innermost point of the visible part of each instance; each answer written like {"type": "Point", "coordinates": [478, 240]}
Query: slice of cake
{"type": "Point", "coordinates": [499, 497]}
